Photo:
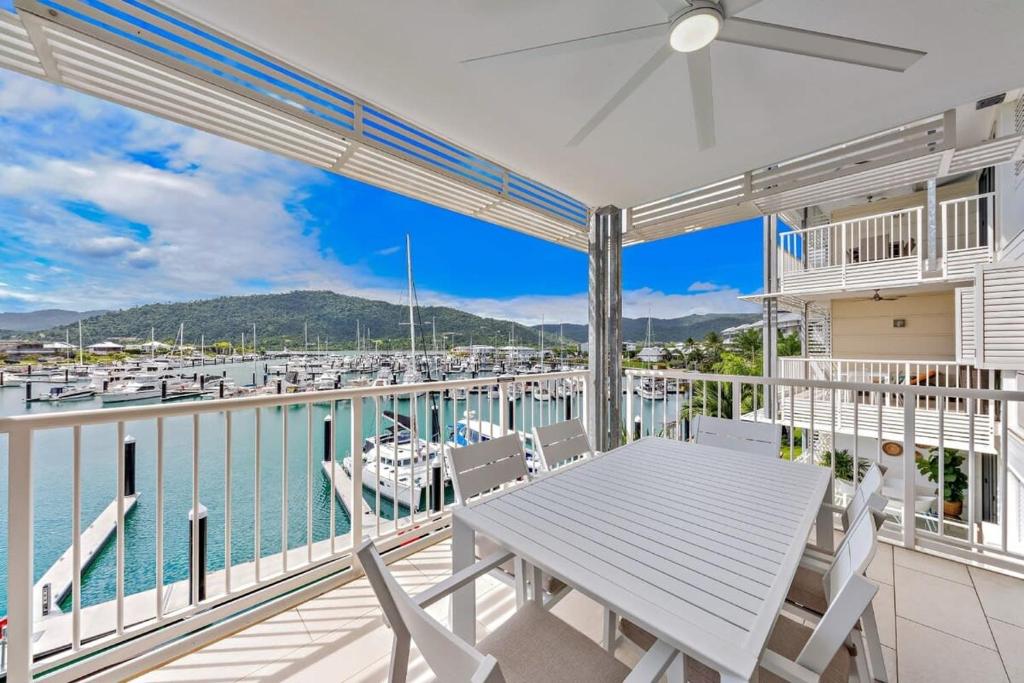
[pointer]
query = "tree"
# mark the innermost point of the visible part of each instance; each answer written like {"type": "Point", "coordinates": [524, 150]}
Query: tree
{"type": "Point", "coordinates": [748, 343]}
{"type": "Point", "coordinates": [706, 393]}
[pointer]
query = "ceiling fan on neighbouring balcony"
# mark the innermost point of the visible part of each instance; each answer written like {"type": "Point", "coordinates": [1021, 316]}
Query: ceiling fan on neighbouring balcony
{"type": "Point", "coordinates": [692, 26]}
{"type": "Point", "coordinates": [878, 297]}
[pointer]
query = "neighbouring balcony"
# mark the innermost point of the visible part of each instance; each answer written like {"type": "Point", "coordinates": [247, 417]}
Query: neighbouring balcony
{"type": "Point", "coordinates": [950, 420]}
{"type": "Point", "coordinates": [888, 250]}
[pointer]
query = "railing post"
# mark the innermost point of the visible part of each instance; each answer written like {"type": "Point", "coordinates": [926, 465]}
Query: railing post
{"type": "Point", "coordinates": [503, 405]}
{"type": "Point", "coordinates": [842, 249]}
{"type": "Point", "coordinates": [629, 407]}
{"type": "Point", "coordinates": [355, 452]}
{"type": "Point", "coordinates": [20, 551]}
{"type": "Point", "coordinates": [909, 469]}
{"type": "Point", "coordinates": [737, 399]}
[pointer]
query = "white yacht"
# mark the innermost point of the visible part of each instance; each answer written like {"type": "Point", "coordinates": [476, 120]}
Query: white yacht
{"type": "Point", "coordinates": [135, 390]}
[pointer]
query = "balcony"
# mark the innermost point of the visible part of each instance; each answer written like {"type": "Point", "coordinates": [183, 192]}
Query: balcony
{"type": "Point", "coordinates": [887, 250]}
{"type": "Point", "coordinates": [972, 633]}
{"type": "Point", "coordinates": [880, 413]}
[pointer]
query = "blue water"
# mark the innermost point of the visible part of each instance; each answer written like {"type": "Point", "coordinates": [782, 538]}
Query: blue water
{"type": "Point", "coordinates": [52, 462]}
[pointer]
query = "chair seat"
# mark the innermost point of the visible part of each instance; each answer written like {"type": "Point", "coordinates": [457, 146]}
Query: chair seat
{"type": "Point", "coordinates": [534, 645]}
{"type": "Point", "coordinates": [485, 547]}
{"type": "Point", "coordinates": [788, 639]}
{"type": "Point", "coordinates": [808, 590]}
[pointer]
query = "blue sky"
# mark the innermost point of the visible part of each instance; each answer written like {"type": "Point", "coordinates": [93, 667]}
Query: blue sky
{"type": "Point", "coordinates": [105, 207]}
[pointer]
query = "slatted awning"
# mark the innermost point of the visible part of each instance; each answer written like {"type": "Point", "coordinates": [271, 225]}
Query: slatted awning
{"type": "Point", "coordinates": [895, 158]}
{"type": "Point", "coordinates": [163, 63]}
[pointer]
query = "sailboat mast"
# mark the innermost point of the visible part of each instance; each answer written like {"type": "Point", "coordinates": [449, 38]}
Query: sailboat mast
{"type": "Point", "coordinates": [412, 318]}
{"type": "Point", "coordinates": [81, 359]}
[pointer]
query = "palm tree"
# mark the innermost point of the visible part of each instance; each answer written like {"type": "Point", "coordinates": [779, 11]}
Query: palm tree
{"type": "Point", "coordinates": [748, 343]}
{"type": "Point", "coordinates": [789, 345]}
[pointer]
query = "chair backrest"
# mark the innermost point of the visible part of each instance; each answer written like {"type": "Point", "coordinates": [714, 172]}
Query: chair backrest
{"type": "Point", "coordinates": [484, 466]}
{"type": "Point", "coordinates": [849, 594]}
{"type": "Point", "coordinates": [872, 479]}
{"type": "Point", "coordinates": [741, 435]}
{"type": "Point", "coordinates": [449, 657]}
{"type": "Point", "coordinates": [867, 496]}
{"type": "Point", "coordinates": [561, 442]}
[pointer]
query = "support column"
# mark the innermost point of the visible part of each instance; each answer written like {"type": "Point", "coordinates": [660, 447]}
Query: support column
{"type": "Point", "coordinates": [596, 346]}
{"type": "Point", "coordinates": [933, 231]}
{"type": "Point", "coordinates": [770, 309]}
{"type": "Point", "coordinates": [615, 219]}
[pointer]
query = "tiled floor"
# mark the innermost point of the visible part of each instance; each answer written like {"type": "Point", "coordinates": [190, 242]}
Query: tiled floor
{"type": "Point", "coordinates": [938, 620]}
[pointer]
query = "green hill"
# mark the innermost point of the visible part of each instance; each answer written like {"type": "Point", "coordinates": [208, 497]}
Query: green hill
{"type": "Point", "coordinates": [280, 318]}
{"type": "Point", "coordinates": [665, 329]}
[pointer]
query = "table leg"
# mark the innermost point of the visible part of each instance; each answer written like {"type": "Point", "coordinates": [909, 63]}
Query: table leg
{"type": "Point", "coordinates": [823, 527]}
{"type": "Point", "coordinates": [611, 630]}
{"type": "Point", "coordinates": [463, 605]}
{"type": "Point", "coordinates": [677, 670]}
{"type": "Point", "coordinates": [538, 587]}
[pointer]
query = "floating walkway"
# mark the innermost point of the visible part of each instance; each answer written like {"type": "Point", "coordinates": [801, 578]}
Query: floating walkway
{"type": "Point", "coordinates": [60, 574]}
{"type": "Point", "coordinates": [343, 489]}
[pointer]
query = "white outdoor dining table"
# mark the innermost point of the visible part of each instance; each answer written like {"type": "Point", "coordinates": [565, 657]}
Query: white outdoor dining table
{"type": "Point", "coordinates": [696, 544]}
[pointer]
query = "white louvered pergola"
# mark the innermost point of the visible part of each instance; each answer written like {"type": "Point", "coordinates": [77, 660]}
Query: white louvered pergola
{"type": "Point", "coordinates": [382, 93]}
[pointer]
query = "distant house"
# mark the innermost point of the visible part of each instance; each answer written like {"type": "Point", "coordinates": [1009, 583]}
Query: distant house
{"type": "Point", "coordinates": [651, 354]}
{"type": "Point", "coordinates": [59, 347]}
{"type": "Point", "coordinates": [19, 348]}
{"type": "Point", "coordinates": [787, 322]}
{"type": "Point", "coordinates": [106, 348]}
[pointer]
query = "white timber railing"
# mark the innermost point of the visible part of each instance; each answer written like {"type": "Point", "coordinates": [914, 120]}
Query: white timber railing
{"type": "Point", "coordinates": [883, 250]}
{"type": "Point", "coordinates": [968, 234]}
{"type": "Point", "coordinates": [254, 485]}
{"type": "Point", "coordinates": [970, 520]}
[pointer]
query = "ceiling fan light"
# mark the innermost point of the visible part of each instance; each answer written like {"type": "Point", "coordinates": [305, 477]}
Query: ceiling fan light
{"type": "Point", "coordinates": [695, 29]}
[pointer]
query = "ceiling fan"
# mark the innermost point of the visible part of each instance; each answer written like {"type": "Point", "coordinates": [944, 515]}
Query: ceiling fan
{"type": "Point", "coordinates": [692, 26]}
{"type": "Point", "coordinates": [878, 297]}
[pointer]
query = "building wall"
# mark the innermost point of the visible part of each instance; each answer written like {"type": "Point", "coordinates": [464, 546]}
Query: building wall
{"type": "Point", "coordinates": [864, 329]}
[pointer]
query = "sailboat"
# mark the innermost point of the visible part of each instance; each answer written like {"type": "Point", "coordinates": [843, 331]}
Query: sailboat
{"type": "Point", "coordinates": [412, 374]}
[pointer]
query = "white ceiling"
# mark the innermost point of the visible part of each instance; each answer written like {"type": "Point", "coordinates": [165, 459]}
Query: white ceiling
{"type": "Point", "coordinates": [404, 55]}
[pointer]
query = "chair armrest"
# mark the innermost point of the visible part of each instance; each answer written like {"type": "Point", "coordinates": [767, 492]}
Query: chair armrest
{"type": "Point", "coordinates": [461, 578]}
{"type": "Point", "coordinates": [786, 668]}
{"type": "Point", "coordinates": [654, 664]}
{"type": "Point", "coordinates": [819, 554]}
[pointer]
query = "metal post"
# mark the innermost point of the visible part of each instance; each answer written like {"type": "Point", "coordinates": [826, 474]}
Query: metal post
{"type": "Point", "coordinates": [327, 440]}
{"type": "Point", "coordinates": [129, 466]}
{"type": "Point", "coordinates": [197, 567]}
{"type": "Point", "coordinates": [436, 486]}
{"type": "Point", "coordinates": [909, 469]}
{"type": "Point", "coordinates": [614, 220]}
{"type": "Point", "coordinates": [933, 232]}
{"type": "Point", "coordinates": [597, 396]}
{"type": "Point", "coordinates": [769, 313]}
{"type": "Point", "coordinates": [20, 552]}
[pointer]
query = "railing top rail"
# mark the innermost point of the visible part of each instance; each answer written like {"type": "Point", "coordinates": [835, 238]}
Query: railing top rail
{"type": "Point", "coordinates": [873, 360]}
{"type": "Point", "coordinates": [126, 414]}
{"type": "Point", "coordinates": [983, 195]}
{"type": "Point", "coordinates": [882, 387]}
{"type": "Point", "coordinates": [839, 224]}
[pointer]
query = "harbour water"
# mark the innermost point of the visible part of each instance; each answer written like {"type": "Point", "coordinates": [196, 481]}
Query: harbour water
{"type": "Point", "coordinates": [52, 484]}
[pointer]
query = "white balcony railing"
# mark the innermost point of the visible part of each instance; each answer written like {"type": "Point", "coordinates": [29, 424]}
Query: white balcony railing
{"type": "Point", "coordinates": [974, 524]}
{"type": "Point", "coordinates": [968, 234]}
{"type": "Point", "coordinates": [219, 470]}
{"type": "Point", "coordinates": [875, 251]}
{"type": "Point", "coordinates": [887, 249]}
{"type": "Point", "coordinates": [853, 406]}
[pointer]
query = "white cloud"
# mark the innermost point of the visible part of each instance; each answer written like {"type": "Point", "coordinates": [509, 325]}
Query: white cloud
{"type": "Point", "coordinates": [388, 251]}
{"type": "Point", "coordinates": [703, 287]}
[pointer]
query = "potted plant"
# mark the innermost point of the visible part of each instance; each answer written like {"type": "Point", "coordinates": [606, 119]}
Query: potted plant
{"type": "Point", "coordinates": [955, 481]}
{"type": "Point", "coordinates": [844, 468]}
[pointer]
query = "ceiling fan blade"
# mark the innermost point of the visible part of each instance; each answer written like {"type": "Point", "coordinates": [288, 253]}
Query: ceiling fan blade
{"type": "Point", "coordinates": [702, 97]}
{"type": "Point", "coordinates": [734, 7]}
{"type": "Point", "coordinates": [630, 86]}
{"type": "Point", "coordinates": [586, 42]}
{"type": "Point", "coordinates": [673, 7]}
{"type": "Point", "coordinates": [821, 45]}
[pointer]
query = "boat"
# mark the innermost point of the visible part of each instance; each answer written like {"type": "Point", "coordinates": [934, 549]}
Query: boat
{"type": "Point", "coordinates": [399, 471]}
{"type": "Point", "coordinates": [132, 391]}
{"type": "Point", "coordinates": [469, 430]}
{"type": "Point", "coordinates": [65, 393]}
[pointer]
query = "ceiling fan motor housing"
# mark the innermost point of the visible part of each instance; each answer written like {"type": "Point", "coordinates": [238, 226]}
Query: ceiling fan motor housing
{"type": "Point", "coordinates": [696, 26]}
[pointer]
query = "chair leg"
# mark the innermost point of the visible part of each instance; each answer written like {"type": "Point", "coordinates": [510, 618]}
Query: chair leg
{"type": "Point", "coordinates": [874, 644]}
{"type": "Point", "coordinates": [677, 670]}
{"type": "Point", "coordinates": [860, 660]}
{"type": "Point", "coordinates": [398, 669]}
{"type": "Point", "coordinates": [520, 578]}
{"type": "Point", "coordinates": [611, 630]}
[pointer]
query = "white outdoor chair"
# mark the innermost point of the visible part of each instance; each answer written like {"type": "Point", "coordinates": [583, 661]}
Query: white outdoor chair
{"type": "Point", "coordinates": [740, 435]}
{"type": "Point", "coordinates": [561, 443]}
{"type": "Point", "coordinates": [486, 466]}
{"type": "Point", "coordinates": [809, 593]}
{"type": "Point", "coordinates": [532, 645]}
{"type": "Point", "coordinates": [867, 496]}
{"type": "Point", "coordinates": [830, 651]}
